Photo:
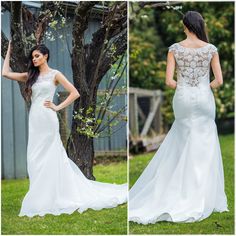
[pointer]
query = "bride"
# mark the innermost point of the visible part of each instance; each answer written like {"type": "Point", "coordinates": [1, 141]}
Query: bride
{"type": "Point", "coordinates": [184, 182]}
{"type": "Point", "coordinates": [56, 184]}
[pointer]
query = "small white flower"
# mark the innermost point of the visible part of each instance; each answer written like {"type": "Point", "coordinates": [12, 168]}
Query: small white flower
{"type": "Point", "coordinates": [189, 57]}
{"type": "Point", "coordinates": [205, 63]}
{"type": "Point", "coordinates": [187, 63]}
{"type": "Point", "coordinates": [181, 63]}
{"type": "Point", "coordinates": [186, 53]}
{"type": "Point", "coordinates": [205, 50]}
{"type": "Point", "coordinates": [193, 64]}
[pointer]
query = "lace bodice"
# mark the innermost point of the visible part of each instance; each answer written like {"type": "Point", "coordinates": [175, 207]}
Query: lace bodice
{"type": "Point", "coordinates": [193, 64]}
{"type": "Point", "coordinates": [44, 88]}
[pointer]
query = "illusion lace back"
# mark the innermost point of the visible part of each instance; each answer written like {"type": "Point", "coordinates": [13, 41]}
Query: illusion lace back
{"type": "Point", "coordinates": [184, 182]}
{"type": "Point", "coordinates": [193, 64]}
{"type": "Point", "coordinates": [56, 184]}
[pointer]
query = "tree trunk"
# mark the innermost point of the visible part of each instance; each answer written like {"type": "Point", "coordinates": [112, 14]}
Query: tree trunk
{"type": "Point", "coordinates": [88, 70]}
{"type": "Point", "coordinates": [80, 147]}
{"type": "Point", "coordinates": [83, 148]}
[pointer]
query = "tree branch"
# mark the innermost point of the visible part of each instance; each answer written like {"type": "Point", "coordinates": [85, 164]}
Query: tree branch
{"type": "Point", "coordinates": [110, 57]}
{"type": "Point", "coordinates": [78, 52]}
{"type": "Point", "coordinates": [102, 114]}
{"type": "Point", "coordinates": [113, 132]}
{"type": "Point", "coordinates": [50, 10]}
{"type": "Point", "coordinates": [5, 43]}
{"type": "Point", "coordinates": [6, 5]}
{"type": "Point", "coordinates": [111, 120]}
{"type": "Point", "coordinates": [112, 26]}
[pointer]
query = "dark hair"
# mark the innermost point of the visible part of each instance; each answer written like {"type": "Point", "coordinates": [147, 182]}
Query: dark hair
{"type": "Point", "coordinates": [195, 23]}
{"type": "Point", "coordinates": [33, 71]}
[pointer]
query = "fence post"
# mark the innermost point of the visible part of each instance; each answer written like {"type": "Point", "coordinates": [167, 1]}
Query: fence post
{"type": "Point", "coordinates": [133, 114]}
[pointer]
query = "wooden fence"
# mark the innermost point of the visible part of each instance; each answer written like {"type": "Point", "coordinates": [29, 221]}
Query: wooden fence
{"type": "Point", "coordinates": [145, 119]}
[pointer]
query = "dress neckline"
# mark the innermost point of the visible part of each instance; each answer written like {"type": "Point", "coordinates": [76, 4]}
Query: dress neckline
{"type": "Point", "coordinates": [51, 70]}
{"type": "Point", "coordinates": [194, 48]}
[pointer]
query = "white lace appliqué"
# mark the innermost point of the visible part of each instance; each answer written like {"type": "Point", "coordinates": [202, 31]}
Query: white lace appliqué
{"type": "Point", "coordinates": [46, 77]}
{"type": "Point", "coordinates": [192, 63]}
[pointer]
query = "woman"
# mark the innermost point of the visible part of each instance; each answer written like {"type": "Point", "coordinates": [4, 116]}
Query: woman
{"type": "Point", "coordinates": [56, 184]}
{"type": "Point", "coordinates": [184, 182]}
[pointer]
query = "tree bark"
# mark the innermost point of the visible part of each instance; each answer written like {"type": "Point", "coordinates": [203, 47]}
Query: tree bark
{"type": "Point", "coordinates": [80, 147]}
{"type": "Point", "coordinates": [89, 64]}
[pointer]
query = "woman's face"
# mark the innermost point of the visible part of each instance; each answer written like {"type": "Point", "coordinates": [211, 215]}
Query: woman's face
{"type": "Point", "coordinates": [38, 58]}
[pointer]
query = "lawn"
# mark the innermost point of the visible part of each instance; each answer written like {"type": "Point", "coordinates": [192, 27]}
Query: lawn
{"type": "Point", "coordinates": [217, 223]}
{"type": "Point", "coordinates": [106, 221]}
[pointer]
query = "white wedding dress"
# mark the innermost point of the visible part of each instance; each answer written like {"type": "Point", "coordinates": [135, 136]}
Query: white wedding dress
{"type": "Point", "coordinates": [184, 182]}
{"type": "Point", "coordinates": [56, 184]}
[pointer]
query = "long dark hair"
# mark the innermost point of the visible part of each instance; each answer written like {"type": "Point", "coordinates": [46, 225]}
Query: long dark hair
{"type": "Point", "coordinates": [194, 21]}
{"type": "Point", "coordinates": [33, 71]}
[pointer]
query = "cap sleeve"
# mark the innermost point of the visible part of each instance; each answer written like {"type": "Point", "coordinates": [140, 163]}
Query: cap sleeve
{"type": "Point", "coordinates": [213, 50]}
{"type": "Point", "coordinates": [173, 48]}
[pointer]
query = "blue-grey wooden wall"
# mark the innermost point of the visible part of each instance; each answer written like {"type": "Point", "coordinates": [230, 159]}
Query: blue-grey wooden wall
{"type": "Point", "coordinates": [14, 120]}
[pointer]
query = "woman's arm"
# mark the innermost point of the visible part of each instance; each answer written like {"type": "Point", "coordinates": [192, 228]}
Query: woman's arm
{"type": "Point", "coordinates": [216, 68]}
{"type": "Point", "coordinates": [6, 71]}
{"type": "Point", "coordinates": [73, 93]}
{"type": "Point", "coordinates": [170, 70]}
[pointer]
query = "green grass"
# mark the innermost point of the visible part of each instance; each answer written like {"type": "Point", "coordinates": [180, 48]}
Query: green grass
{"type": "Point", "coordinates": [207, 226]}
{"type": "Point", "coordinates": [106, 221]}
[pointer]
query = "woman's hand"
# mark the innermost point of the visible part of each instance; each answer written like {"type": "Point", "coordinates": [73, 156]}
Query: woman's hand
{"type": "Point", "coordinates": [6, 70]}
{"type": "Point", "coordinates": [51, 105]}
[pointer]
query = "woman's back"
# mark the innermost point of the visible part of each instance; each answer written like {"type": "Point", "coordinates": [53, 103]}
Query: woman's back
{"type": "Point", "coordinates": [193, 64]}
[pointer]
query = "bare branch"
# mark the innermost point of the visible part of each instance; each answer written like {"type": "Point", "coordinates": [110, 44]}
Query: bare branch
{"type": "Point", "coordinates": [110, 96]}
{"type": "Point", "coordinates": [157, 4]}
{"type": "Point", "coordinates": [112, 119]}
{"type": "Point", "coordinates": [113, 132]}
{"type": "Point", "coordinates": [103, 109]}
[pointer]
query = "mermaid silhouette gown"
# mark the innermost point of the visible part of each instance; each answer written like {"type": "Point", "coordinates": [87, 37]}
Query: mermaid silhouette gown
{"type": "Point", "coordinates": [56, 184]}
{"type": "Point", "coordinates": [184, 182]}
